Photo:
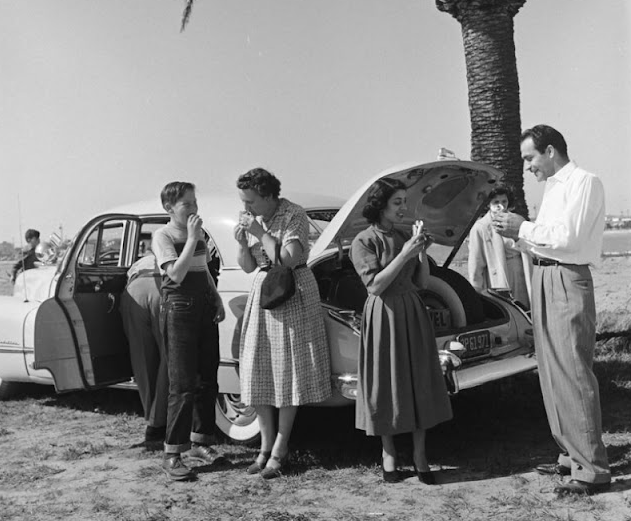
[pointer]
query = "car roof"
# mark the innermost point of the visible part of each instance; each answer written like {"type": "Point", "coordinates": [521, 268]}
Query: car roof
{"type": "Point", "coordinates": [220, 211]}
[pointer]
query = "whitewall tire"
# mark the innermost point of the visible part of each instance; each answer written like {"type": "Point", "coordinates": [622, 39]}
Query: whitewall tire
{"type": "Point", "coordinates": [236, 421]}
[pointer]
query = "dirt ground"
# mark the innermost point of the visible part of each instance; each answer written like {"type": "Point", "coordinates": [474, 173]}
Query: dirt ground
{"type": "Point", "coordinates": [78, 456]}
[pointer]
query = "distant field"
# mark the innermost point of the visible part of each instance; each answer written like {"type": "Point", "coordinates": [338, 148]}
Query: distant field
{"type": "Point", "coordinates": [617, 241]}
{"type": "Point", "coordinates": [5, 271]}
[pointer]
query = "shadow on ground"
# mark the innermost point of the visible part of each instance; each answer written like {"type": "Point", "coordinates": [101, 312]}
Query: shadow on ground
{"type": "Point", "coordinates": [499, 429]}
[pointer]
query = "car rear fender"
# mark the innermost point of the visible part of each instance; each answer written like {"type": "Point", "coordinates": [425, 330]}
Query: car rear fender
{"type": "Point", "coordinates": [13, 316]}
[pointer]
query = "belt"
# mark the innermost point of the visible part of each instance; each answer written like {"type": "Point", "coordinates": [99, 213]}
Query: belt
{"type": "Point", "coordinates": [539, 261]}
{"type": "Point", "coordinates": [268, 267]}
{"type": "Point", "coordinates": [145, 274]}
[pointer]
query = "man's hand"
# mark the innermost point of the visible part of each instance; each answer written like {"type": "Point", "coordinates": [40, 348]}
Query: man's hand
{"type": "Point", "coordinates": [507, 224]}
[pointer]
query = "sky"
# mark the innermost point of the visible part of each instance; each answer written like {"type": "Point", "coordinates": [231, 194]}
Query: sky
{"type": "Point", "coordinates": [104, 102]}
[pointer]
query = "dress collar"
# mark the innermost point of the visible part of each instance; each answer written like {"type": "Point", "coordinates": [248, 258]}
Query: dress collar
{"type": "Point", "coordinates": [382, 230]}
{"type": "Point", "coordinates": [280, 210]}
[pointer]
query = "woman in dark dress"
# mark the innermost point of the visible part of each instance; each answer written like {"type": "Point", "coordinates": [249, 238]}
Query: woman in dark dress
{"type": "Point", "coordinates": [401, 388]}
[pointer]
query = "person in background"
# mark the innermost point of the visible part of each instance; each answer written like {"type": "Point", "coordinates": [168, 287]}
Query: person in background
{"type": "Point", "coordinates": [284, 354]}
{"type": "Point", "coordinates": [400, 385]}
{"type": "Point", "coordinates": [140, 311]}
{"type": "Point", "coordinates": [496, 261]}
{"type": "Point", "coordinates": [28, 260]}
{"type": "Point", "coordinates": [190, 310]}
{"type": "Point", "coordinates": [564, 240]}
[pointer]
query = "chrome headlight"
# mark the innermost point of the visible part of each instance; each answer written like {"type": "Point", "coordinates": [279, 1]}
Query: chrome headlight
{"type": "Point", "coordinates": [46, 252]}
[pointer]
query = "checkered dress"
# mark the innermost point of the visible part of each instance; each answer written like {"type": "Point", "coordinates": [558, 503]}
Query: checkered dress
{"type": "Point", "coordinates": [284, 355]}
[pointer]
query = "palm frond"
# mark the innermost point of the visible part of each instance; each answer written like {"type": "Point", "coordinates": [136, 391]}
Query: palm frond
{"type": "Point", "coordinates": [188, 9]}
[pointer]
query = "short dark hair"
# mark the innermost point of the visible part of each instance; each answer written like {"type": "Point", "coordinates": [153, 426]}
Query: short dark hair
{"type": "Point", "coordinates": [261, 181]}
{"type": "Point", "coordinates": [174, 191]}
{"type": "Point", "coordinates": [503, 190]}
{"type": "Point", "coordinates": [544, 135]}
{"type": "Point", "coordinates": [378, 194]}
{"type": "Point", "coordinates": [31, 234]}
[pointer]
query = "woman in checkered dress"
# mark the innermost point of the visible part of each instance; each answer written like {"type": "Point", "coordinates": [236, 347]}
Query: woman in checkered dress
{"type": "Point", "coordinates": [284, 356]}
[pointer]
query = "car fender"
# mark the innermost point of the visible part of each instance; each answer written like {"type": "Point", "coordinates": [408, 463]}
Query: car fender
{"type": "Point", "coordinates": [35, 285]}
{"type": "Point", "coordinates": [13, 317]}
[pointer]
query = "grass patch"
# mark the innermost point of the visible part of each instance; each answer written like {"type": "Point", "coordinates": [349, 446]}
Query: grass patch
{"type": "Point", "coordinates": [40, 452]}
{"type": "Point", "coordinates": [25, 475]}
{"type": "Point", "coordinates": [149, 472]}
{"type": "Point", "coordinates": [83, 449]}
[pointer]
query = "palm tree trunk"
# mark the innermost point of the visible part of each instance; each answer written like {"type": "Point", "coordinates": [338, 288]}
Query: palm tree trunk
{"type": "Point", "coordinates": [488, 37]}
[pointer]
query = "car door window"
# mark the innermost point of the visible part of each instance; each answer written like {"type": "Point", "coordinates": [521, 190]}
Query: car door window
{"type": "Point", "coordinates": [103, 246]}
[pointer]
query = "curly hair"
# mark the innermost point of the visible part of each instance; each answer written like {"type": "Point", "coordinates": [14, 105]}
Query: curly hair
{"type": "Point", "coordinates": [261, 181]}
{"type": "Point", "coordinates": [378, 195]}
{"type": "Point", "coordinates": [173, 192]}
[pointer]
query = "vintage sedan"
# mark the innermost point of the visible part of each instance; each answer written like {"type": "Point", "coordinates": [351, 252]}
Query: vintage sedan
{"type": "Point", "coordinates": [62, 325]}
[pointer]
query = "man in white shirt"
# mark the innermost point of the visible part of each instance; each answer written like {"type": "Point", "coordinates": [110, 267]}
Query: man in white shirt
{"type": "Point", "coordinates": [564, 240]}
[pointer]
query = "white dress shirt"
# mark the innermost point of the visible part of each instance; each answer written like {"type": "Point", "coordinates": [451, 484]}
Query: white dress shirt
{"type": "Point", "coordinates": [570, 224]}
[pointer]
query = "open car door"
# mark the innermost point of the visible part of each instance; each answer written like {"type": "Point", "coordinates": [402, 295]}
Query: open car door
{"type": "Point", "coordinates": [79, 333]}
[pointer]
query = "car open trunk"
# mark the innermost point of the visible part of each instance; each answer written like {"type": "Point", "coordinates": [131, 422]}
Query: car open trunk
{"type": "Point", "coordinates": [455, 307]}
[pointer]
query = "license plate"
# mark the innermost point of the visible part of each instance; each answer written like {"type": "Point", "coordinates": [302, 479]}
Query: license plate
{"type": "Point", "coordinates": [441, 319]}
{"type": "Point", "coordinates": [476, 343]}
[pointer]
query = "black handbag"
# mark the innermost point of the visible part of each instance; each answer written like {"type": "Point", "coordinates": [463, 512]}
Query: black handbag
{"type": "Point", "coordinates": [278, 285]}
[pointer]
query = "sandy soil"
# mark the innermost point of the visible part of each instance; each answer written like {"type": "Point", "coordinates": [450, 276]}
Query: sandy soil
{"type": "Point", "coordinates": [78, 457]}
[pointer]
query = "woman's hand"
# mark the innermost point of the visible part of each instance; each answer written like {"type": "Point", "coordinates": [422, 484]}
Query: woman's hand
{"type": "Point", "coordinates": [240, 234]}
{"type": "Point", "coordinates": [414, 246]}
{"type": "Point", "coordinates": [248, 222]}
{"type": "Point", "coordinates": [220, 314]}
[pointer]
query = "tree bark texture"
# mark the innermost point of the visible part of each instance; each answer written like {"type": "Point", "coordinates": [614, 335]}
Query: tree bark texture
{"type": "Point", "coordinates": [493, 85]}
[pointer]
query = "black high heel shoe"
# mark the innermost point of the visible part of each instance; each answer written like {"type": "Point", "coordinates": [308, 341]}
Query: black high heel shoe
{"type": "Point", "coordinates": [390, 476]}
{"type": "Point", "coordinates": [277, 472]}
{"type": "Point", "coordinates": [257, 467]}
{"type": "Point", "coordinates": [427, 477]}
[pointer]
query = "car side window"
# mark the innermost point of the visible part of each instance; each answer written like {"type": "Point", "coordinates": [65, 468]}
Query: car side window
{"type": "Point", "coordinates": [104, 245]}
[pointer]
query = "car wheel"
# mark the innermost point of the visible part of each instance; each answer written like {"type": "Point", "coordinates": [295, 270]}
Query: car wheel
{"type": "Point", "coordinates": [8, 389]}
{"type": "Point", "coordinates": [468, 296]}
{"type": "Point", "coordinates": [236, 421]}
{"type": "Point", "coordinates": [439, 294]}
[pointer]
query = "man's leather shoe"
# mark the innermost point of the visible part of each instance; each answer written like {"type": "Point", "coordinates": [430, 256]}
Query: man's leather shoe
{"type": "Point", "coordinates": [576, 486]}
{"type": "Point", "coordinates": [552, 469]}
{"type": "Point", "coordinates": [176, 470]}
{"type": "Point", "coordinates": [202, 453]}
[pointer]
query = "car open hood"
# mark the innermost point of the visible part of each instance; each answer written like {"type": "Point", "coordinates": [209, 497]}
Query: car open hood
{"type": "Point", "coordinates": [446, 195]}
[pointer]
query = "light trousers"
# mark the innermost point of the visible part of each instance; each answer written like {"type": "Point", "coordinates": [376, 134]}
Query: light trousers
{"type": "Point", "coordinates": [564, 323]}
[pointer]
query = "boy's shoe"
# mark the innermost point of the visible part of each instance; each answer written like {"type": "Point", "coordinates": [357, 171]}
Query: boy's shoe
{"type": "Point", "coordinates": [175, 469]}
{"type": "Point", "coordinates": [203, 453]}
